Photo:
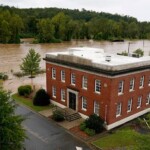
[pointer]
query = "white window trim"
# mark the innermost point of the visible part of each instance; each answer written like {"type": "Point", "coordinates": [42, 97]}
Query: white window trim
{"type": "Point", "coordinates": [148, 97]}
{"type": "Point", "coordinates": [63, 92]}
{"type": "Point", "coordinates": [122, 88]}
{"type": "Point", "coordinates": [83, 82]}
{"type": "Point", "coordinates": [53, 73]}
{"type": "Point", "coordinates": [73, 74]}
{"type": "Point", "coordinates": [95, 102]}
{"type": "Point", "coordinates": [83, 98]}
{"type": "Point", "coordinates": [120, 109]}
{"type": "Point", "coordinates": [140, 97]}
{"type": "Point", "coordinates": [54, 91]}
{"type": "Point", "coordinates": [62, 76]}
{"type": "Point", "coordinates": [149, 81]}
{"type": "Point", "coordinates": [98, 92]}
{"type": "Point", "coordinates": [133, 82]}
{"type": "Point", "coordinates": [141, 86]}
{"type": "Point", "coordinates": [130, 105]}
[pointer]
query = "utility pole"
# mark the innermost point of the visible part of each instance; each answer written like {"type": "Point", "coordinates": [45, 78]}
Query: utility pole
{"type": "Point", "coordinates": [143, 44]}
{"type": "Point", "coordinates": [105, 114]}
{"type": "Point", "coordinates": [129, 49]}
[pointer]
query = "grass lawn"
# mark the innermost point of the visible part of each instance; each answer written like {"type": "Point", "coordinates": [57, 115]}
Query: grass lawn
{"type": "Point", "coordinates": [125, 137]}
{"type": "Point", "coordinates": [1, 83]}
{"type": "Point", "coordinates": [28, 102]}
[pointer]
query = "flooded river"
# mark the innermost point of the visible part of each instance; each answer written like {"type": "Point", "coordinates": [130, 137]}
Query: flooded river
{"type": "Point", "coordinates": [11, 55]}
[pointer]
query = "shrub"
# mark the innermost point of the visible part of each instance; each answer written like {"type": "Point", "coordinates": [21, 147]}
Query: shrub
{"type": "Point", "coordinates": [1, 75]}
{"type": "Point", "coordinates": [94, 122]}
{"type": "Point", "coordinates": [24, 90]}
{"type": "Point", "coordinates": [82, 126]}
{"type": "Point", "coordinates": [147, 117]}
{"type": "Point", "coordinates": [90, 132]}
{"type": "Point", "coordinates": [139, 52]}
{"type": "Point", "coordinates": [5, 77]}
{"type": "Point", "coordinates": [41, 98]}
{"type": "Point", "coordinates": [19, 74]}
{"type": "Point", "coordinates": [28, 87]}
{"type": "Point", "coordinates": [58, 116]}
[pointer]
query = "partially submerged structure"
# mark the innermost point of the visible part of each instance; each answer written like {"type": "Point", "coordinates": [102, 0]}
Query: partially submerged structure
{"type": "Point", "coordinates": [87, 80]}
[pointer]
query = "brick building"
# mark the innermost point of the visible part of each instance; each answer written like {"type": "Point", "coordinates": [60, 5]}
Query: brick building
{"type": "Point", "coordinates": [117, 88]}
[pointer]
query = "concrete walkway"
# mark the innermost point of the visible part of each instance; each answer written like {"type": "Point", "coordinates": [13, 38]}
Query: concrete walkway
{"type": "Point", "coordinates": [46, 113]}
{"type": "Point", "coordinates": [65, 124]}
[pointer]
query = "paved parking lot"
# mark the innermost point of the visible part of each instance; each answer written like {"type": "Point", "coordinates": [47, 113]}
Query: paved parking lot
{"type": "Point", "coordinates": [44, 134]}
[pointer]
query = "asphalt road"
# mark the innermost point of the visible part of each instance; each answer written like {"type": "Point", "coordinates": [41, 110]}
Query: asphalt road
{"type": "Point", "coordinates": [46, 135]}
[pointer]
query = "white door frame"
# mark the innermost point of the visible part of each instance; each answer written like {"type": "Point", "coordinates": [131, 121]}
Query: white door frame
{"type": "Point", "coordinates": [76, 93]}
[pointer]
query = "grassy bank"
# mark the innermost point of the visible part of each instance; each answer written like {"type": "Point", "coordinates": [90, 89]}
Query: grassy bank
{"type": "Point", "coordinates": [126, 138]}
{"type": "Point", "coordinates": [28, 103]}
{"type": "Point", "coordinates": [1, 83]}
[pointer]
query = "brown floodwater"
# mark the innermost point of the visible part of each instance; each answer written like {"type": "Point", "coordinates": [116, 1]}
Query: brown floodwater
{"type": "Point", "coordinates": [11, 55]}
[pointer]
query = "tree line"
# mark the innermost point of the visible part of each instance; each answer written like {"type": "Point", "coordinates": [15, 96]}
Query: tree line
{"type": "Point", "coordinates": [56, 25]}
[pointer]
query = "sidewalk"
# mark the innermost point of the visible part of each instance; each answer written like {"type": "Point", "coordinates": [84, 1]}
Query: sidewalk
{"type": "Point", "coordinates": [65, 124]}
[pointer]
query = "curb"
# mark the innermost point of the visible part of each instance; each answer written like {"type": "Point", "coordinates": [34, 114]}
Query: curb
{"type": "Point", "coordinates": [49, 119]}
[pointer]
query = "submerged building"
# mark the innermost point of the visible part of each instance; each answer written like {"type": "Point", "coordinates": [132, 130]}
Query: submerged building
{"type": "Point", "coordinates": [87, 80]}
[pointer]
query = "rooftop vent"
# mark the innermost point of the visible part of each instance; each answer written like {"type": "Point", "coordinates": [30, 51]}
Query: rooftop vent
{"type": "Point", "coordinates": [70, 52]}
{"type": "Point", "coordinates": [108, 58]}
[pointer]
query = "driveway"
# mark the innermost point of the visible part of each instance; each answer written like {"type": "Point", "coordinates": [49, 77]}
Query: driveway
{"type": "Point", "coordinates": [46, 135]}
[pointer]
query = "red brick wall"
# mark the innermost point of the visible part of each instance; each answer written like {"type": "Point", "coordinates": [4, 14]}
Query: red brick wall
{"type": "Point", "coordinates": [127, 95]}
{"type": "Point", "coordinates": [109, 91]}
{"type": "Point", "coordinates": [90, 94]}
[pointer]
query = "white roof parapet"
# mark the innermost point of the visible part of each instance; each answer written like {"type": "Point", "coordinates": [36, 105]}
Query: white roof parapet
{"type": "Point", "coordinates": [97, 58]}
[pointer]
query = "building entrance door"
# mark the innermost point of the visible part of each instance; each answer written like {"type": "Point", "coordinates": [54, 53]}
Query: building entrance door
{"type": "Point", "coordinates": [72, 100]}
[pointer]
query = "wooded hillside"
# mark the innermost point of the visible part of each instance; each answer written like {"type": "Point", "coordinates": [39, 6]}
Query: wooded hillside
{"type": "Point", "coordinates": [56, 25]}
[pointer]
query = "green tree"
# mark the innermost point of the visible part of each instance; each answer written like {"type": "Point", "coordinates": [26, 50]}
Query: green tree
{"type": "Point", "coordinates": [12, 134]}
{"type": "Point", "coordinates": [16, 26]}
{"type": "Point", "coordinates": [60, 22]}
{"type": "Point", "coordinates": [45, 30]}
{"type": "Point", "coordinates": [70, 30]}
{"type": "Point", "coordinates": [139, 52]}
{"type": "Point", "coordinates": [123, 53]}
{"type": "Point", "coordinates": [11, 25]}
{"type": "Point", "coordinates": [78, 29]}
{"type": "Point", "coordinates": [31, 62]}
{"type": "Point", "coordinates": [133, 30]}
{"type": "Point", "coordinates": [5, 33]}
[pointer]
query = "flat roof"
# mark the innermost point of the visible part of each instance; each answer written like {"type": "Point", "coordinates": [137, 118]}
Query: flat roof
{"type": "Point", "coordinates": [96, 57]}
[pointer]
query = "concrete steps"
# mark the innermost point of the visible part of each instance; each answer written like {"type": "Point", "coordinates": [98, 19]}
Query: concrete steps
{"type": "Point", "coordinates": [72, 117]}
{"type": "Point", "coordinates": [69, 114]}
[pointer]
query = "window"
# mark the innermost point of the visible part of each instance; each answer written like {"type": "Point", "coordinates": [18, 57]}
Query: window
{"type": "Point", "coordinates": [54, 91]}
{"type": "Point", "coordinates": [63, 95]}
{"type": "Point", "coordinates": [118, 110]}
{"type": "Point", "coordinates": [97, 86]}
{"type": "Point", "coordinates": [120, 87]}
{"type": "Point", "coordinates": [139, 101]}
{"type": "Point", "coordinates": [149, 81]}
{"type": "Point", "coordinates": [129, 105]}
{"type": "Point", "coordinates": [73, 79]}
{"type": "Point", "coordinates": [84, 103]}
{"type": "Point", "coordinates": [62, 75]}
{"type": "Point", "coordinates": [148, 99]}
{"type": "Point", "coordinates": [132, 84]}
{"type": "Point", "coordinates": [84, 82]}
{"type": "Point", "coordinates": [141, 81]}
{"type": "Point", "coordinates": [96, 108]}
{"type": "Point", "coordinates": [53, 73]}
